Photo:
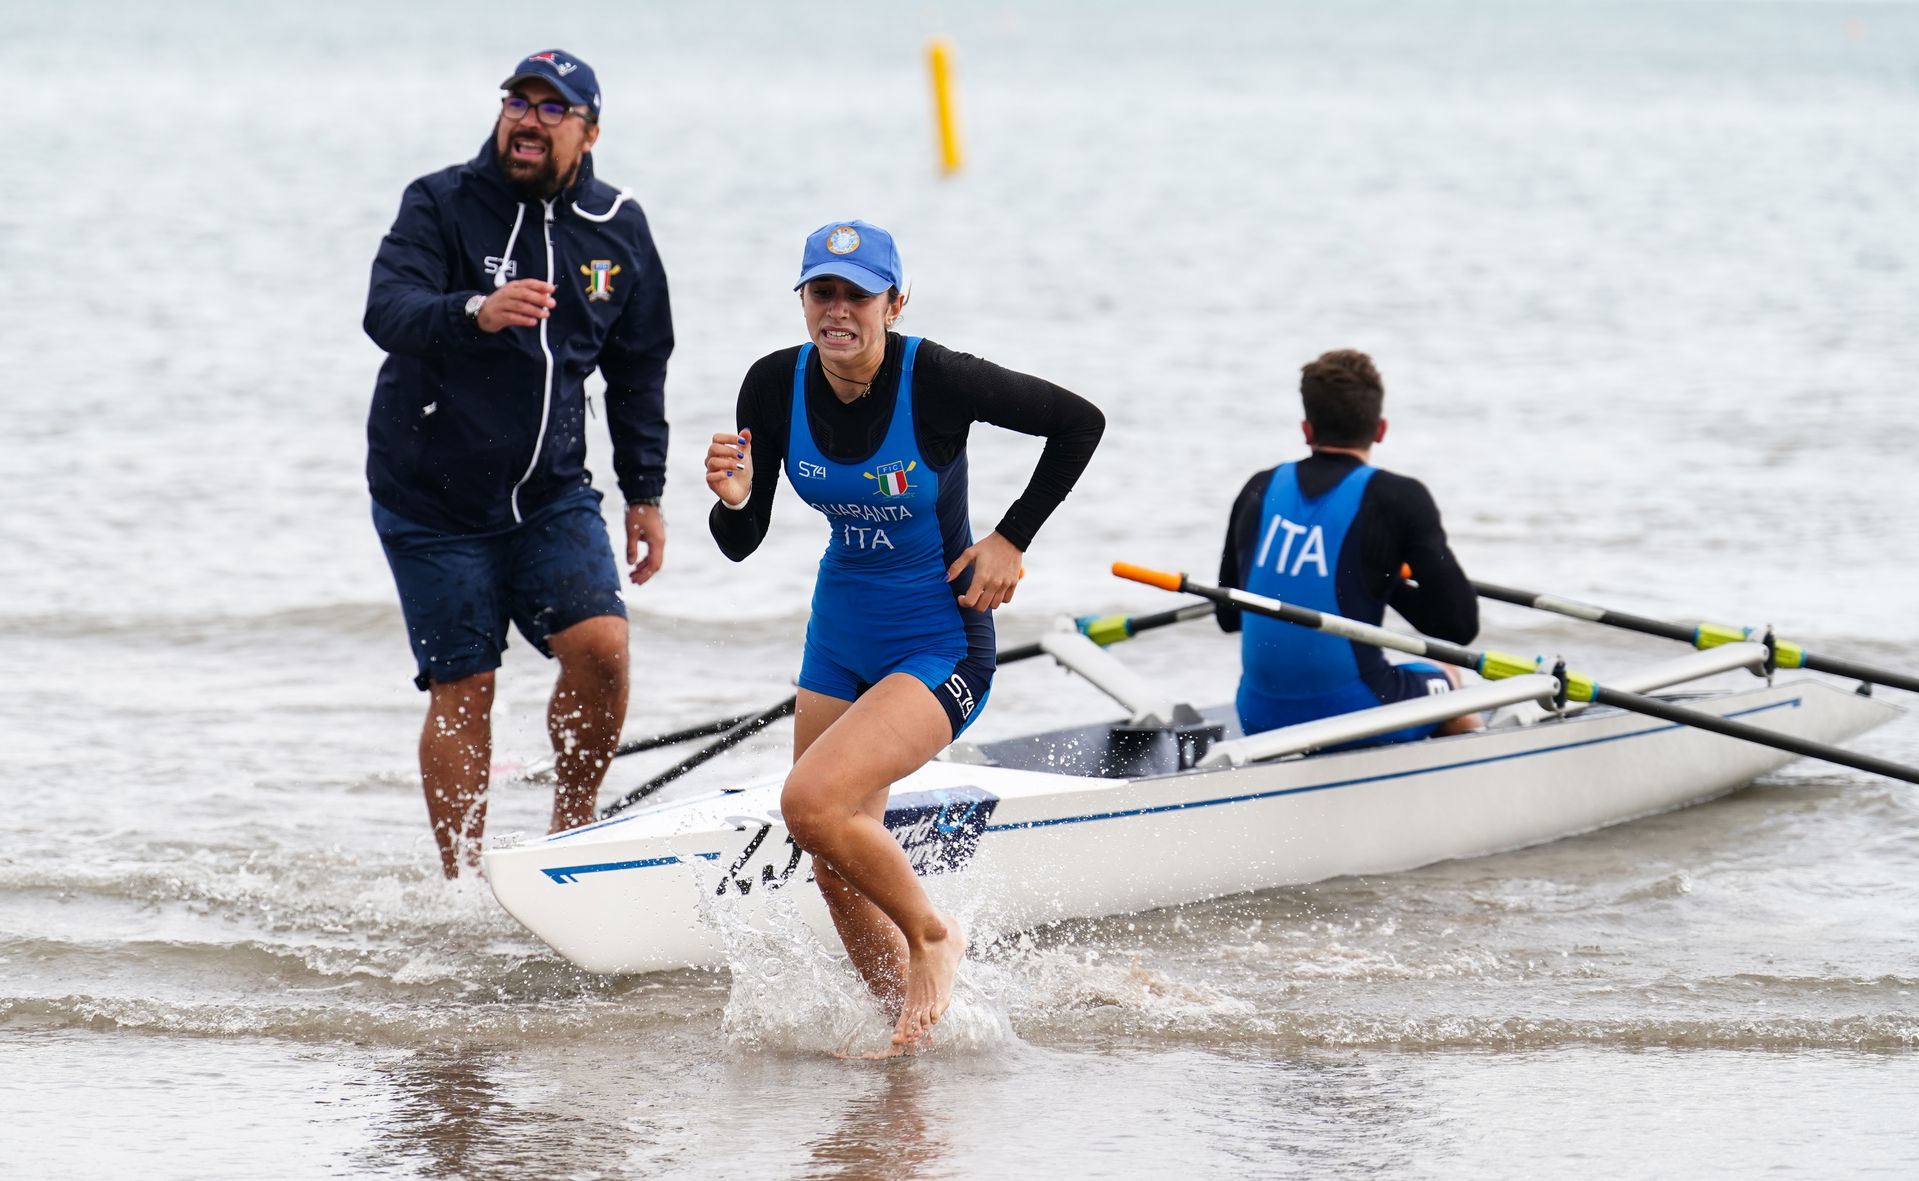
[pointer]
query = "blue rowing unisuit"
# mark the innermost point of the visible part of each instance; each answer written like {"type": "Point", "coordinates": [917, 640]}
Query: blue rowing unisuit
{"type": "Point", "coordinates": [882, 604]}
{"type": "Point", "coordinates": [1291, 674]}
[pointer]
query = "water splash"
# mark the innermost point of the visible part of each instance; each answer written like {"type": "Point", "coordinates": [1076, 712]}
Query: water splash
{"type": "Point", "coordinates": [794, 990]}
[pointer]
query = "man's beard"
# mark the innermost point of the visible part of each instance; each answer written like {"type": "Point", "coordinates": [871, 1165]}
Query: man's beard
{"type": "Point", "coordinates": [536, 184]}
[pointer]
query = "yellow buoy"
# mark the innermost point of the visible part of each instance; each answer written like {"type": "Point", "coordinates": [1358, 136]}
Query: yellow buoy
{"type": "Point", "coordinates": [939, 56]}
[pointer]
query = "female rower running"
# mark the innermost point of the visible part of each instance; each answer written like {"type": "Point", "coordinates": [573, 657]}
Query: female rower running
{"type": "Point", "coordinates": [871, 427]}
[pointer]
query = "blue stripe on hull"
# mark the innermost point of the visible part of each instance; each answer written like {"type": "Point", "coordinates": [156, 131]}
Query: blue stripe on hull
{"type": "Point", "coordinates": [567, 874]}
{"type": "Point", "coordinates": [1293, 791]}
{"type": "Point", "coordinates": [563, 875]}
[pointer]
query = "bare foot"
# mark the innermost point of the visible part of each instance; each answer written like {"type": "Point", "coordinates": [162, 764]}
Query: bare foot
{"type": "Point", "coordinates": [847, 1053]}
{"type": "Point", "coordinates": [930, 972]}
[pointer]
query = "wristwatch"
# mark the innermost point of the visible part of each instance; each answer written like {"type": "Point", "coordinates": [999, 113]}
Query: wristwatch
{"type": "Point", "coordinates": [648, 501]}
{"type": "Point", "coordinates": [473, 306]}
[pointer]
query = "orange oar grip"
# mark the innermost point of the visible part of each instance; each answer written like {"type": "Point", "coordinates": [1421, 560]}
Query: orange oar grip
{"type": "Point", "coordinates": [1158, 578]}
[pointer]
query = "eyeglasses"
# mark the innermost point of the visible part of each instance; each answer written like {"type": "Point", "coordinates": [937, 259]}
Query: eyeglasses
{"type": "Point", "coordinates": [513, 108]}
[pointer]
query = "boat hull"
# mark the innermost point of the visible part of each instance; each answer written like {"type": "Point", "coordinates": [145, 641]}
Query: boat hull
{"type": "Point", "coordinates": [652, 890]}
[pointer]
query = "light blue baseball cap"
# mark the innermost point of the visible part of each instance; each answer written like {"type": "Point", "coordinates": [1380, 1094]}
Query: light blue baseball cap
{"type": "Point", "coordinates": [857, 251]}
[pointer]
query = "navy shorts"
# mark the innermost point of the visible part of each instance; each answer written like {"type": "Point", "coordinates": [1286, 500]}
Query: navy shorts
{"type": "Point", "coordinates": [958, 679]}
{"type": "Point", "coordinates": [458, 590]}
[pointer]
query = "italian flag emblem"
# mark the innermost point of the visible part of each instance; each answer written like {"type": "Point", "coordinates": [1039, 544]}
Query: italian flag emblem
{"type": "Point", "coordinates": [599, 278]}
{"type": "Point", "coordinates": [892, 477]}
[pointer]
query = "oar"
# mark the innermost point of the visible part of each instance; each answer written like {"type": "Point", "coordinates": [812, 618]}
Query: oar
{"type": "Point", "coordinates": [744, 729]}
{"type": "Point", "coordinates": [1706, 635]}
{"type": "Point", "coordinates": [1102, 630]}
{"type": "Point", "coordinates": [1496, 665]}
{"type": "Point", "coordinates": [543, 768]}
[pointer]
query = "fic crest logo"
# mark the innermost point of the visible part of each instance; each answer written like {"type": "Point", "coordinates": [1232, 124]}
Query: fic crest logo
{"type": "Point", "coordinates": [892, 477]}
{"type": "Point", "coordinates": [844, 240]}
{"type": "Point", "coordinates": [599, 278]}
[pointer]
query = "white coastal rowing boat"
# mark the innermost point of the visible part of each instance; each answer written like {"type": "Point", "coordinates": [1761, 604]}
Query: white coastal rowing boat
{"type": "Point", "coordinates": [1171, 806]}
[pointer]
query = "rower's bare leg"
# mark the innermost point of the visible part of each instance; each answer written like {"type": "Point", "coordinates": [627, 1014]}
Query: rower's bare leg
{"type": "Point", "coordinates": [456, 748]}
{"type": "Point", "coordinates": [584, 716]}
{"type": "Point", "coordinates": [1464, 724]}
{"type": "Point", "coordinates": [872, 941]}
{"type": "Point", "coordinates": [828, 805]}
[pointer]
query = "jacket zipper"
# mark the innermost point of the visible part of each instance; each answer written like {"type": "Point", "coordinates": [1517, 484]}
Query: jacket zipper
{"type": "Point", "coordinates": [546, 392]}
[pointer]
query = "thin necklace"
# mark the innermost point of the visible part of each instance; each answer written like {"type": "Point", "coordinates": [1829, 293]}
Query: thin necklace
{"type": "Point", "coordinates": [849, 381]}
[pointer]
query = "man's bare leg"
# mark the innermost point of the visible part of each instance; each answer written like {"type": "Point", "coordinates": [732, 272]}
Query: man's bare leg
{"type": "Point", "coordinates": [456, 749]}
{"type": "Point", "coordinates": [893, 730]}
{"type": "Point", "coordinates": [584, 716]}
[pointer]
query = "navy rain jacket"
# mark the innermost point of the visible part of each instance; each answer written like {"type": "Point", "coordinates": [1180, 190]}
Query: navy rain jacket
{"type": "Point", "coordinates": [471, 432]}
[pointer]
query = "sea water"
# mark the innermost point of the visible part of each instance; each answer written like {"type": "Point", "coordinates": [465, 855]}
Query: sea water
{"type": "Point", "coordinates": [1640, 277]}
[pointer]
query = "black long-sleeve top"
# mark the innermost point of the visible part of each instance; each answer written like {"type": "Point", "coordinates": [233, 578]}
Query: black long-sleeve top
{"type": "Point", "coordinates": [951, 391]}
{"type": "Point", "coordinates": [1397, 524]}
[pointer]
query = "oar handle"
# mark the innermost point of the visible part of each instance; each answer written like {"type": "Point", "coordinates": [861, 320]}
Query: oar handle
{"type": "Point", "coordinates": [1164, 580]}
{"type": "Point", "coordinates": [1306, 617]}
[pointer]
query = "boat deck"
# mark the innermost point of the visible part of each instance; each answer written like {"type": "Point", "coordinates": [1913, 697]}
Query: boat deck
{"type": "Point", "coordinates": [1112, 750]}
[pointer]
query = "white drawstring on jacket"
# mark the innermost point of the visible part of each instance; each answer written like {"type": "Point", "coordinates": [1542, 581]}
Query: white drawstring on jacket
{"type": "Point", "coordinates": [506, 257]}
{"type": "Point", "coordinates": [625, 196]}
{"type": "Point", "coordinates": [519, 215]}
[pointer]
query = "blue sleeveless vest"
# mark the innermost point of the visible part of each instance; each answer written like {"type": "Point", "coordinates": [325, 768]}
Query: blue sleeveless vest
{"type": "Point", "coordinates": [1297, 561]}
{"type": "Point", "coordinates": [883, 576]}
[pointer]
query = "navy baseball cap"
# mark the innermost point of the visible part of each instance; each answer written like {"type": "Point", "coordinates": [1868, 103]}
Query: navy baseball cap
{"type": "Point", "coordinates": [573, 78]}
{"type": "Point", "coordinates": [857, 251]}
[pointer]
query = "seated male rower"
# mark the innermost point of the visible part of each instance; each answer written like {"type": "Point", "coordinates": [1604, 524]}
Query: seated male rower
{"type": "Point", "coordinates": [1332, 532]}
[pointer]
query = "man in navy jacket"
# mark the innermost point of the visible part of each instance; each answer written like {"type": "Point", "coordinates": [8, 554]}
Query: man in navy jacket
{"type": "Point", "coordinates": [502, 285]}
